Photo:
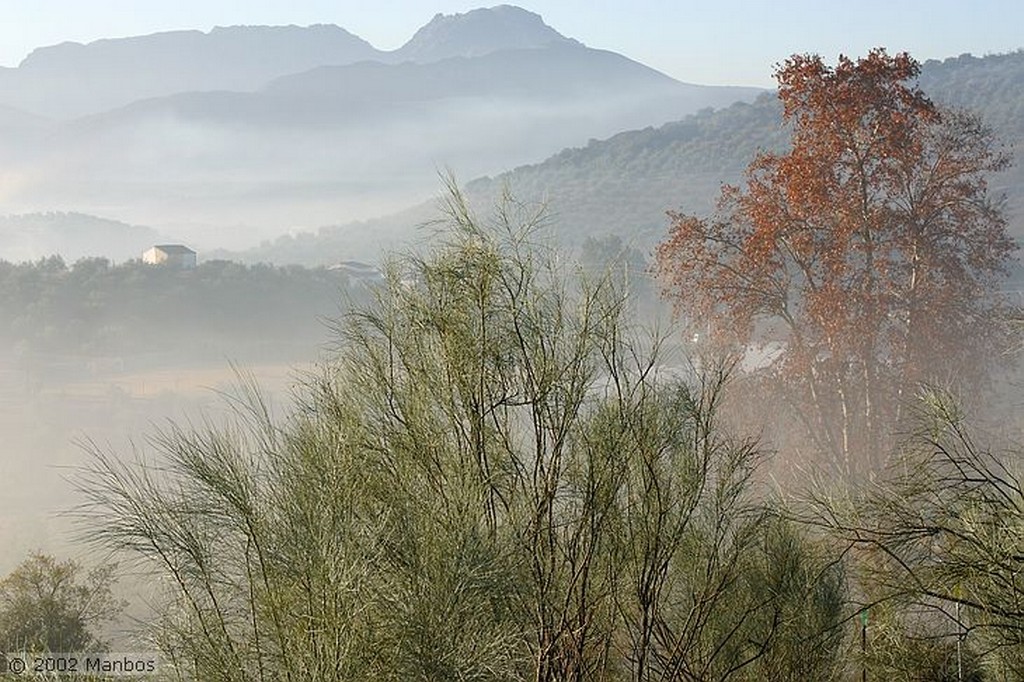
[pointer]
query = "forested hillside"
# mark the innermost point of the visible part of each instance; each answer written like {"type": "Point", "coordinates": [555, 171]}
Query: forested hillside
{"type": "Point", "coordinates": [992, 85]}
{"type": "Point", "coordinates": [625, 184]}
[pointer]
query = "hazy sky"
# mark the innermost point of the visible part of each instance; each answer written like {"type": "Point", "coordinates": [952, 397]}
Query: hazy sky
{"type": "Point", "coordinates": [700, 41]}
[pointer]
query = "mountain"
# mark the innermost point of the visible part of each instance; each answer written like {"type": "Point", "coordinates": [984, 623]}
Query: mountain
{"type": "Point", "coordinates": [560, 71]}
{"type": "Point", "coordinates": [565, 74]}
{"type": "Point", "coordinates": [479, 32]}
{"type": "Point", "coordinates": [334, 96]}
{"type": "Point", "coordinates": [625, 184]}
{"type": "Point", "coordinates": [70, 80]}
{"type": "Point", "coordinates": [238, 161]}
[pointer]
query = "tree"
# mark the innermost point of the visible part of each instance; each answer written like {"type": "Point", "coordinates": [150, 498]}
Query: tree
{"type": "Point", "coordinates": [56, 606]}
{"type": "Point", "coordinates": [870, 252]}
{"type": "Point", "coordinates": [491, 480]}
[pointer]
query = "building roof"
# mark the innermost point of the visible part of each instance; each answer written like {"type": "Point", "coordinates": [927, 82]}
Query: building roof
{"type": "Point", "coordinates": [175, 249]}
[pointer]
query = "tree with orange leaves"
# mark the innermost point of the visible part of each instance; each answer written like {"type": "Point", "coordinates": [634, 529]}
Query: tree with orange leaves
{"type": "Point", "coordinates": [870, 251]}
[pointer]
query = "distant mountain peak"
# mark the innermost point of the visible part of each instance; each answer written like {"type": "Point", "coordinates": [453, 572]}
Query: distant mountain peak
{"type": "Point", "coordinates": [479, 32]}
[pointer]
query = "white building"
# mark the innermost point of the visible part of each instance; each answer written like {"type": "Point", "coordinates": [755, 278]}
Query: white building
{"type": "Point", "coordinates": [175, 255]}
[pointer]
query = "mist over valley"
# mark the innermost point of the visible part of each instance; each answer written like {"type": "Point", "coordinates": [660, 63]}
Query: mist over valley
{"type": "Point", "coordinates": [615, 375]}
{"type": "Point", "coordinates": [229, 138]}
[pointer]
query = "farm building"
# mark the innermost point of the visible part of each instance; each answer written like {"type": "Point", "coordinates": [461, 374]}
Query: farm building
{"type": "Point", "coordinates": [175, 255]}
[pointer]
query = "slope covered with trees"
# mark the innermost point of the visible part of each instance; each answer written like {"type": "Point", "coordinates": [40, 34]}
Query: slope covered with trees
{"type": "Point", "coordinates": [626, 184]}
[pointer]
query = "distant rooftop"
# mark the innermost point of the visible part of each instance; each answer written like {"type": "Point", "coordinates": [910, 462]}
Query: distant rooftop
{"type": "Point", "coordinates": [176, 249]}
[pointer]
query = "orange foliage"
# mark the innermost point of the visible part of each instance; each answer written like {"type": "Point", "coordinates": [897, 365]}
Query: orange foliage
{"type": "Point", "coordinates": [873, 242]}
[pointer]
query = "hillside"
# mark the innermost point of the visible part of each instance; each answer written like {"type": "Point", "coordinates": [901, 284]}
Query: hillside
{"type": "Point", "coordinates": [621, 185]}
{"type": "Point", "coordinates": [626, 183]}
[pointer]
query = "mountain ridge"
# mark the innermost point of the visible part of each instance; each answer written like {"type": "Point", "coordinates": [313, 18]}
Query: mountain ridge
{"type": "Point", "coordinates": [73, 79]}
{"type": "Point", "coordinates": [236, 150]}
{"type": "Point", "coordinates": [479, 32]}
{"type": "Point", "coordinates": [69, 80]}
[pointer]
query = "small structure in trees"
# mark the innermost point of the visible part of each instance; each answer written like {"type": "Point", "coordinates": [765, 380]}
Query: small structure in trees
{"type": "Point", "coordinates": [175, 255]}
